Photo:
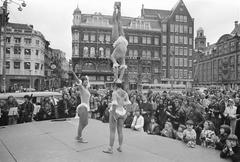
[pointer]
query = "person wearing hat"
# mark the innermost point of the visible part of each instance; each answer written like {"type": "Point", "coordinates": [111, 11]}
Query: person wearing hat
{"type": "Point", "coordinates": [26, 110]}
{"type": "Point", "coordinates": [189, 134]}
{"type": "Point", "coordinates": [230, 115]}
{"type": "Point", "coordinates": [222, 137]}
{"type": "Point", "coordinates": [231, 149]}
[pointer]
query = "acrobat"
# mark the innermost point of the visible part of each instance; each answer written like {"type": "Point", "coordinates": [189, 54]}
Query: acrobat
{"type": "Point", "coordinates": [120, 44]}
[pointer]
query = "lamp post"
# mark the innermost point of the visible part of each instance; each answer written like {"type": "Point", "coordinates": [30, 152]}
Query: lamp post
{"type": "Point", "coordinates": [139, 74]}
{"type": "Point", "coordinates": [4, 21]}
{"type": "Point", "coordinates": [173, 69]}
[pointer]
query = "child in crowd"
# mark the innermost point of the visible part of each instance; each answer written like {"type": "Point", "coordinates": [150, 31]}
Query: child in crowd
{"type": "Point", "coordinates": [208, 135]}
{"type": "Point", "coordinates": [138, 121]}
{"type": "Point", "coordinates": [153, 127]}
{"type": "Point", "coordinates": [179, 132]}
{"type": "Point", "coordinates": [222, 137]}
{"type": "Point", "coordinates": [167, 130]}
{"type": "Point", "coordinates": [231, 149]}
{"type": "Point", "coordinates": [189, 134]}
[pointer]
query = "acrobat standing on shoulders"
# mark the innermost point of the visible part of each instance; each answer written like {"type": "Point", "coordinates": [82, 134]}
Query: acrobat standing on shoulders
{"type": "Point", "coordinates": [120, 44]}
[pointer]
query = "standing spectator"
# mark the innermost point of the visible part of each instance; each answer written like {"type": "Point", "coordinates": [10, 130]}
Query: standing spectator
{"type": "Point", "coordinates": [26, 110]}
{"type": "Point", "coordinates": [4, 113]}
{"type": "Point", "coordinates": [230, 115]}
{"type": "Point", "coordinates": [64, 106]}
{"type": "Point", "coordinates": [12, 103]}
{"type": "Point", "coordinates": [146, 111]}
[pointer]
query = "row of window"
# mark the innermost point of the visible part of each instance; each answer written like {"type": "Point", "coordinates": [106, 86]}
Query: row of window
{"type": "Point", "coordinates": [18, 30]}
{"type": "Point", "coordinates": [178, 28]}
{"type": "Point", "coordinates": [88, 37]}
{"type": "Point", "coordinates": [27, 65]}
{"type": "Point", "coordinates": [92, 52]}
{"type": "Point", "coordinates": [181, 18]}
{"type": "Point", "coordinates": [18, 40]}
{"type": "Point", "coordinates": [181, 74]}
{"type": "Point", "coordinates": [176, 50]}
{"type": "Point", "coordinates": [144, 40]}
{"type": "Point", "coordinates": [145, 53]}
{"type": "Point", "coordinates": [145, 69]}
{"type": "Point", "coordinates": [180, 62]}
{"type": "Point", "coordinates": [178, 39]}
{"type": "Point", "coordinates": [17, 50]}
{"type": "Point", "coordinates": [228, 47]}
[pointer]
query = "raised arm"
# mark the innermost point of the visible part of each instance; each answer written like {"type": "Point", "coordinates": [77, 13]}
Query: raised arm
{"type": "Point", "coordinates": [79, 82]}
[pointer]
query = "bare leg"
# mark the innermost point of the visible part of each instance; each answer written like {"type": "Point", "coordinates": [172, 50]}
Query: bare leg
{"type": "Point", "coordinates": [112, 127]}
{"type": "Point", "coordinates": [120, 133]}
{"type": "Point", "coordinates": [123, 67]}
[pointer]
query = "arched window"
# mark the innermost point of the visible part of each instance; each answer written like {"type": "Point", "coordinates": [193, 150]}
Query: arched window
{"type": "Point", "coordinates": [101, 52]}
{"type": "Point", "coordinates": [155, 81]}
{"type": "Point", "coordinates": [92, 52]}
{"type": "Point", "coordinates": [85, 52]}
{"type": "Point", "coordinates": [89, 66]}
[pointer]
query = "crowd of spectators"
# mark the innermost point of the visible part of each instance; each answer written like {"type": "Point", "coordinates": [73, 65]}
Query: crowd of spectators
{"type": "Point", "coordinates": [209, 118]}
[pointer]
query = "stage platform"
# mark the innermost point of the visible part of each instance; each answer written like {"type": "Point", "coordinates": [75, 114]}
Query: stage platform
{"type": "Point", "coordinates": [53, 141]}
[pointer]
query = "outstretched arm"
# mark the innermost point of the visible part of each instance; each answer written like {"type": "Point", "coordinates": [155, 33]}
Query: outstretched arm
{"type": "Point", "coordinates": [79, 82]}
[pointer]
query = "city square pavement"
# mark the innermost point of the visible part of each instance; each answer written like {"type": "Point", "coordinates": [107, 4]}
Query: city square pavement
{"type": "Point", "coordinates": [53, 141]}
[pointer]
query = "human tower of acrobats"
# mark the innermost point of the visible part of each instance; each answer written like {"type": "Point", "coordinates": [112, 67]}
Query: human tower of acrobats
{"type": "Point", "coordinates": [119, 44]}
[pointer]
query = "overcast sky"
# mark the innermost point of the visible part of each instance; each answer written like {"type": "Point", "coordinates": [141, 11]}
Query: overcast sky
{"type": "Point", "coordinates": [54, 17]}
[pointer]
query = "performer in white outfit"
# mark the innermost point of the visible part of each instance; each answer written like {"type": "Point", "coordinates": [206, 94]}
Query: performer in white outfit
{"type": "Point", "coordinates": [83, 108]}
{"type": "Point", "coordinates": [117, 116]}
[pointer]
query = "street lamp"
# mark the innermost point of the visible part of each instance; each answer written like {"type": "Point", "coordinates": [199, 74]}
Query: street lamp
{"type": "Point", "coordinates": [173, 69]}
{"type": "Point", "coordinates": [4, 21]}
{"type": "Point", "coordinates": [139, 74]}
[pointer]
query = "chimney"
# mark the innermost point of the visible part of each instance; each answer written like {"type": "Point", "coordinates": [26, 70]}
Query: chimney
{"type": "Point", "coordinates": [208, 44]}
{"type": "Point", "coordinates": [236, 24]}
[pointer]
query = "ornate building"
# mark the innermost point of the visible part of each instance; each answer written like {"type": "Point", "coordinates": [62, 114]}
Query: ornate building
{"type": "Point", "coordinates": [159, 51]}
{"type": "Point", "coordinates": [92, 48]}
{"type": "Point", "coordinates": [177, 42]}
{"type": "Point", "coordinates": [25, 50]}
{"type": "Point", "coordinates": [220, 64]}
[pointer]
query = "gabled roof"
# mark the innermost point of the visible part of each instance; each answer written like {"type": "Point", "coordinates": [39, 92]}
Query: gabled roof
{"type": "Point", "coordinates": [157, 13]}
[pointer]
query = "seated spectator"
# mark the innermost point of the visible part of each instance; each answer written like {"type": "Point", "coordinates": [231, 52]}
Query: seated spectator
{"type": "Point", "coordinates": [129, 120]}
{"type": "Point", "coordinates": [179, 133]}
{"type": "Point", "coordinates": [208, 135]}
{"type": "Point", "coordinates": [189, 134]}
{"type": "Point", "coordinates": [231, 149]}
{"type": "Point", "coordinates": [153, 127]}
{"type": "Point", "coordinates": [138, 121]}
{"type": "Point", "coordinates": [222, 137]}
{"type": "Point", "coordinates": [167, 130]}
